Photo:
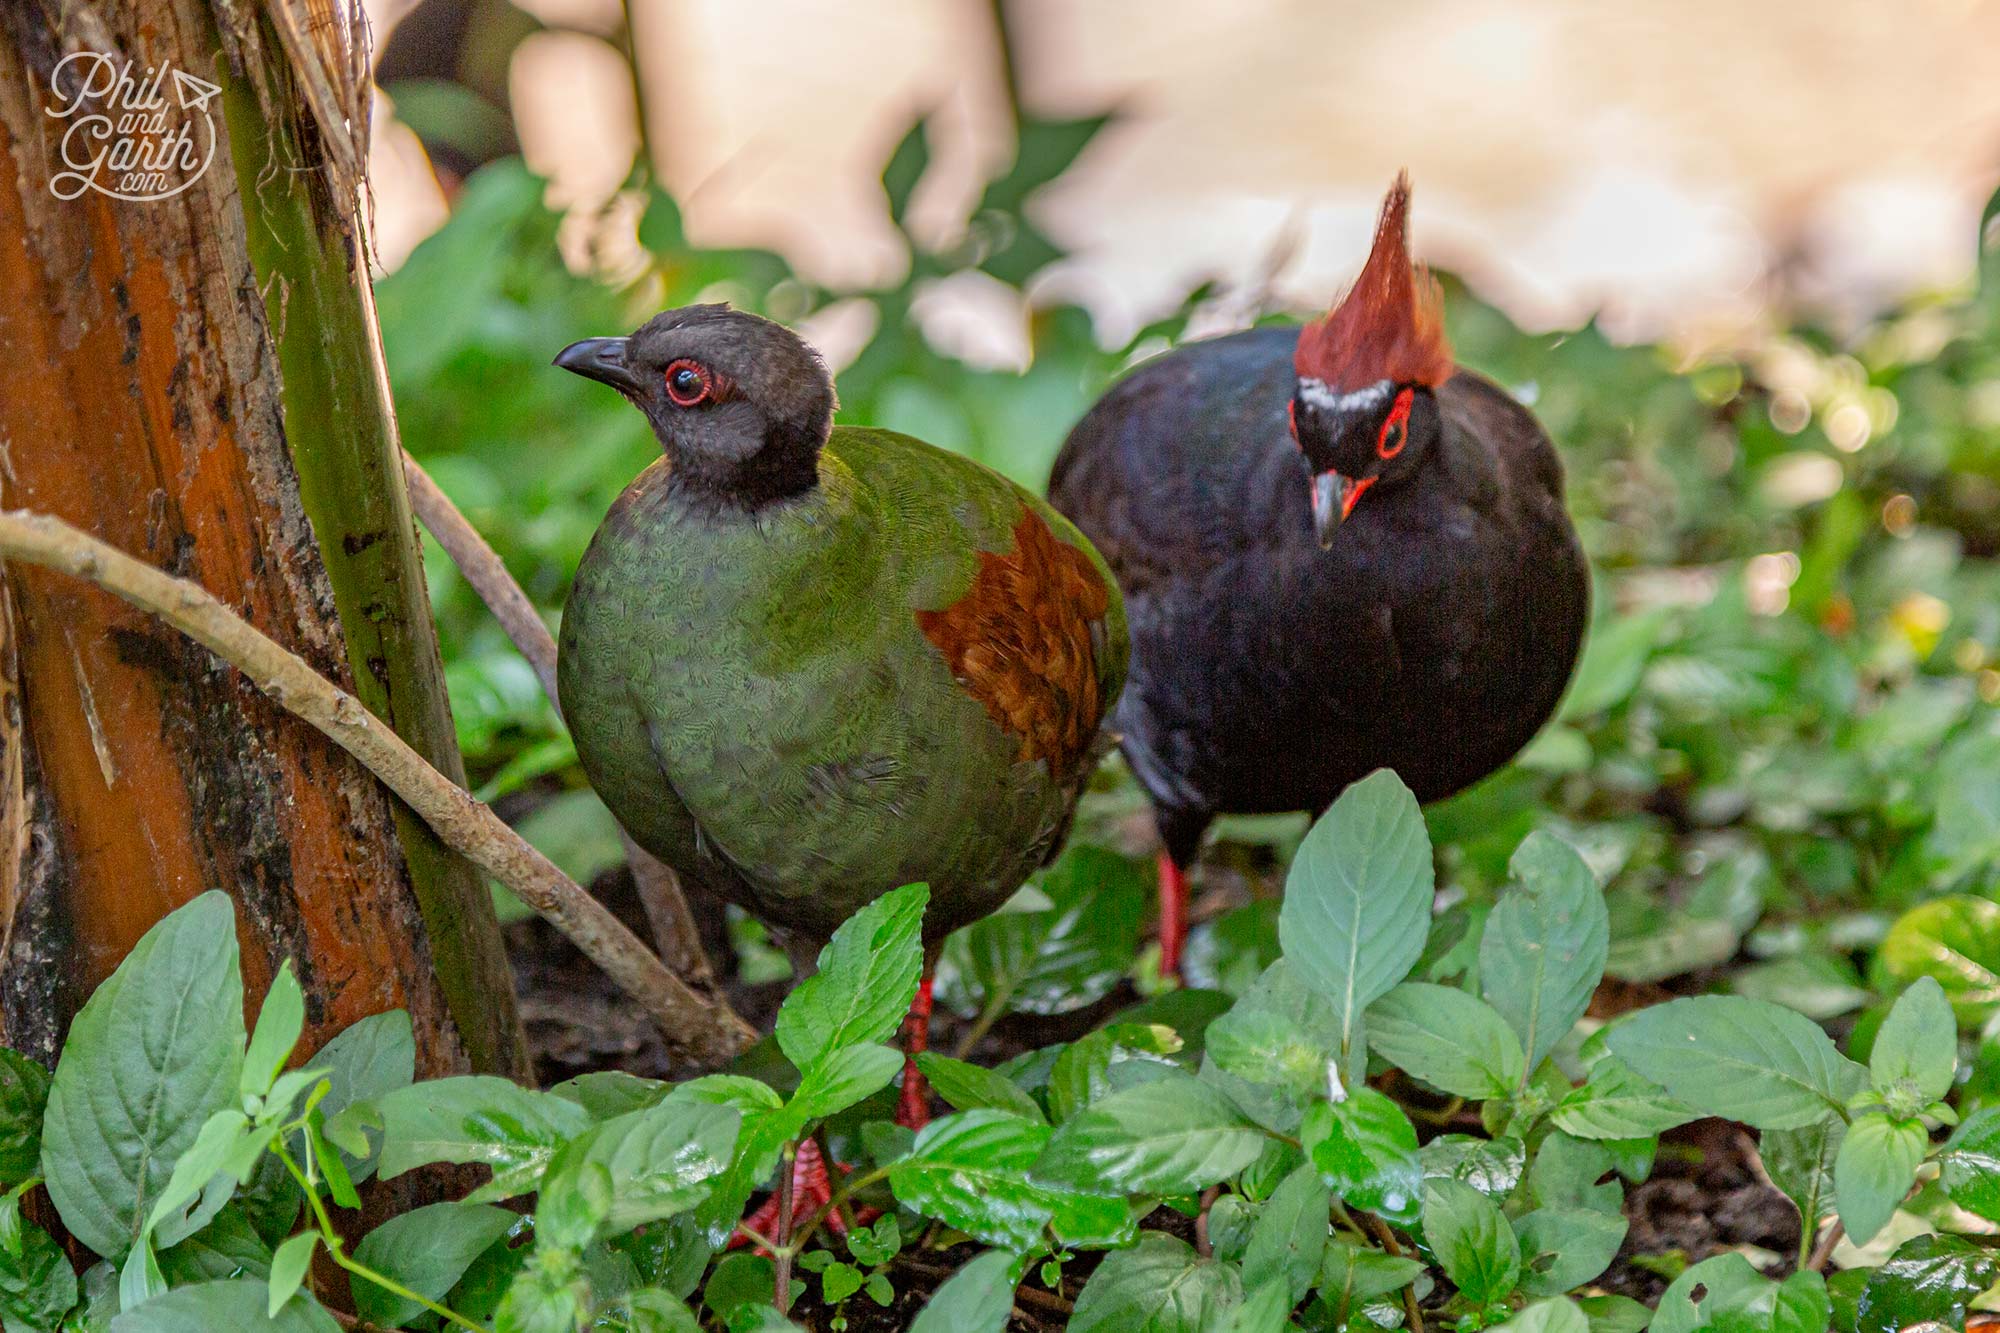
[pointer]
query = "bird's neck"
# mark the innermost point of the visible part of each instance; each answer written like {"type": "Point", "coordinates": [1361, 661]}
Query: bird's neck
{"type": "Point", "coordinates": [784, 469]}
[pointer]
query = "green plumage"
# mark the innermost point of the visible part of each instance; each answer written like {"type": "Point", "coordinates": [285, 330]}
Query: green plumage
{"type": "Point", "coordinates": [753, 696]}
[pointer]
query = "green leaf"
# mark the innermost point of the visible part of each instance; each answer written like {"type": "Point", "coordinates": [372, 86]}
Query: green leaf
{"type": "Point", "coordinates": [477, 1118]}
{"type": "Point", "coordinates": [1056, 959]}
{"type": "Point", "coordinates": [37, 1285]}
{"type": "Point", "coordinates": [24, 1096]}
{"type": "Point", "coordinates": [1554, 1316]}
{"type": "Point", "coordinates": [867, 977]}
{"type": "Point", "coordinates": [366, 1060]}
{"type": "Point", "coordinates": [222, 1137]}
{"type": "Point", "coordinates": [970, 1172]}
{"type": "Point", "coordinates": [1082, 1073]}
{"type": "Point", "coordinates": [228, 1247]}
{"type": "Point", "coordinates": [657, 1311]}
{"type": "Point", "coordinates": [1917, 1043]}
{"type": "Point", "coordinates": [1451, 1040]}
{"type": "Point", "coordinates": [238, 1306]}
{"type": "Point", "coordinates": [1366, 1149]}
{"type": "Point", "coordinates": [1544, 945]}
{"type": "Point", "coordinates": [288, 1270]}
{"type": "Point", "coordinates": [1739, 1059]}
{"type": "Point", "coordinates": [1259, 1046]}
{"type": "Point", "coordinates": [658, 1162]}
{"type": "Point", "coordinates": [1171, 1136]}
{"type": "Point", "coordinates": [1802, 1305]}
{"type": "Point", "coordinates": [1279, 993]}
{"type": "Point", "coordinates": [151, 1055]}
{"type": "Point", "coordinates": [1288, 1241]}
{"type": "Point", "coordinates": [609, 1092]}
{"type": "Point", "coordinates": [978, 1298]}
{"type": "Point", "coordinates": [1358, 899]}
{"type": "Point", "coordinates": [1351, 1275]}
{"type": "Point", "coordinates": [426, 1249]}
{"type": "Point", "coordinates": [1876, 1166]}
{"type": "Point", "coordinates": [1491, 1166]}
{"type": "Point", "coordinates": [1616, 1103]}
{"type": "Point", "coordinates": [1265, 1309]}
{"type": "Point", "coordinates": [1727, 1282]}
{"type": "Point", "coordinates": [1930, 1278]}
{"type": "Point", "coordinates": [1800, 1163]}
{"type": "Point", "coordinates": [842, 1077]}
{"type": "Point", "coordinates": [1471, 1241]}
{"type": "Point", "coordinates": [1159, 1285]}
{"type": "Point", "coordinates": [280, 1020]}
{"type": "Point", "coordinates": [1956, 941]}
{"type": "Point", "coordinates": [1969, 1164]}
{"type": "Point", "coordinates": [1563, 1248]}
{"type": "Point", "coordinates": [969, 1087]}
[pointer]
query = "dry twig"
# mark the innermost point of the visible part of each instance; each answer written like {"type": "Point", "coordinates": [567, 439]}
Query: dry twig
{"type": "Point", "coordinates": [674, 931]}
{"type": "Point", "coordinates": [692, 1026]}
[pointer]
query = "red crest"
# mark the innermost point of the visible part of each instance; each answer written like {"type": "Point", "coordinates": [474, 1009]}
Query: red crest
{"type": "Point", "coordinates": [1390, 325]}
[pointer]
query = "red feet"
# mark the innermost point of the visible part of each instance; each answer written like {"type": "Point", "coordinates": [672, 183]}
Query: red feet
{"type": "Point", "coordinates": [1173, 916]}
{"type": "Point", "coordinates": [914, 1110]}
{"type": "Point", "coordinates": [812, 1190]}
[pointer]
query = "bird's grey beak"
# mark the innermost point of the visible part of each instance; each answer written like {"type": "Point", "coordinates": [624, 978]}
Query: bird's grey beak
{"type": "Point", "coordinates": [600, 359]}
{"type": "Point", "coordinates": [1332, 496]}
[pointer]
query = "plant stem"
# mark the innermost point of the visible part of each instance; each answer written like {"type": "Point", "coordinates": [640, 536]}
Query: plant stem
{"type": "Point", "coordinates": [996, 1005]}
{"type": "Point", "coordinates": [336, 1248]}
{"type": "Point", "coordinates": [1824, 1250]}
{"type": "Point", "coordinates": [1380, 1230]}
{"type": "Point", "coordinates": [691, 1024]}
{"type": "Point", "coordinates": [782, 1288]}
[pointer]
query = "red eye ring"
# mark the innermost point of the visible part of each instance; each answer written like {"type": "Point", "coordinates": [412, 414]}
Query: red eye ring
{"type": "Point", "coordinates": [1396, 424]}
{"type": "Point", "coordinates": [683, 396]}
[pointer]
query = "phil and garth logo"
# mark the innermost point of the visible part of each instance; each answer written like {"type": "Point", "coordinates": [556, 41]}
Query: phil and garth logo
{"type": "Point", "coordinates": [125, 138]}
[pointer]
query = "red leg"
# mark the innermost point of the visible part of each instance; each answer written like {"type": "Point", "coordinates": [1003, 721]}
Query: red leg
{"type": "Point", "coordinates": [1173, 916]}
{"type": "Point", "coordinates": [811, 1191]}
{"type": "Point", "coordinates": [914, 1110]}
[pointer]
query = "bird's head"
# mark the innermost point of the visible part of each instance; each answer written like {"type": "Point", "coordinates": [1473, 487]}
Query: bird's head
{"type": "Point", "coordinates": [1364, 413]}
{"type": "Point", "coordinates": [741, 405]}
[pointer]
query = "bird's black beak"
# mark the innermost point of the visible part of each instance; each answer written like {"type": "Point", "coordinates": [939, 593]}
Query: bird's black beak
{"type": "Point", "coordinates": [1332, 496]}
{"type": "Point", "coordinates": [600, 359]}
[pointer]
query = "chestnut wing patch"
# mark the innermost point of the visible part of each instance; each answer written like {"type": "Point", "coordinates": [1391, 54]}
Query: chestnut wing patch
{"type": "Point", "coordinates": [1020, 642]}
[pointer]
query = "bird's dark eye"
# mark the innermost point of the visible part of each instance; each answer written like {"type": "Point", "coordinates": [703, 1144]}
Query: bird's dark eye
{"type": "Point", "coordinates": [1395, 427]}
{"type": "Point", "coordinates": [687, 383]}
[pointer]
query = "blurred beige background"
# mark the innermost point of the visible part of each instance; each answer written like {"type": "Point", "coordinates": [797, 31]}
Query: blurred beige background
{"type": "Point", "coordinates": [1671, 165]}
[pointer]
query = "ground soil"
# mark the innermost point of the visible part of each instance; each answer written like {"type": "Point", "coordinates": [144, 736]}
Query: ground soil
{"type": "Point", "coordinates": [1705, 1195]}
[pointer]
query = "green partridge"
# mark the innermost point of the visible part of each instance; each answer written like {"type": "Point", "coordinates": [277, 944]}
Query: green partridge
{"type": "Point", "coordinates": [806, 664]}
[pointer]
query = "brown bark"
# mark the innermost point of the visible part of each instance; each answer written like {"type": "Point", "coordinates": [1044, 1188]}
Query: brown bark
{"type": "Point", "coordinates": [193, 380]}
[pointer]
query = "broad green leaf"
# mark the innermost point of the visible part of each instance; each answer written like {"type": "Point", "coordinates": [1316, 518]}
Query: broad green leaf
{"type": "Point", "coordinates": [655, 1311]}
{"type": "Point", "coordinates": [968, 1087]}
{"type": "Point", "coordinates": [1739, 1059]}
{"type": "Point", "coordinates": [368, 1059]}
{"type": "Point", "coordinates": [1917, 1043]}
{"type": "Point", "coordinates": [1969, 1164]}
{"type": "Point", "coordinates": [150, 1057]}
{"type": "Point", "coordinates": [1566, 1174]}
{"type": "Point", "coordinates": [1726, 1282]}
{"type": "Point", "coordinates": [1471, 1241]}
{"type": "Point", "coordinates": [37, 1285]}
{"type": "Point", "coordinates": [477, 1118]}
{"type": "Point", "coordinates": [228, 1247]}
{"type": "Point", "coordinates": [1358, 899]}
{"type": "Point", "coordinates": [1544, 945]}
{"type": "Point", "coordinates": [609, 1092]}
{"type": "Point", "coordinates": [1351, 1275]}
{"type": "Point", "coordinates": [1053, 959]}
{"type": "Point", "coordinates": [1875, 1168]}
{"type": "Point", "coordinates": [1159, 1285]}
{"type": "Point", "coordinates": [1931, 1278]}
{"type": "Point", "coordinates": [1288, 1241]}
{"type": "Point", "coordinates": [1616, 1103]}
{"type": "Point", "coordinates": [1267, 1308]}
{"type": "Point", "coordinates": [24, 1096]}
{"type": "Point", "coordinates": [867, 977]}
{"type": "Point", "coordinates": [280, 1020]}
{"type": "Point", "coordinates": [1552, 1316]}
{"type": "Point", "coordinates": [1366, 1149]}
{"type": "Point", "coordinates": [1451, 1040]}
{"type": "Point", "coordinates": [970, 1171]}
{"type": "Point", "coordinates": [978, 1298]}
{"type": "Point", "coordinates": [1818, 985]}
{"type": "Point", "coordinates": [1954, 939]}
{"type": "Point", "coordinates": [1800, 1163]}
{"type": "Point", "coordinates": [238, 1306]}
{"type": "Point", "coordinates": [656, 1162]}
{"type": "Point", "coordinates": [1801, 1305]}
{"type": "Point", "coordinates": [1563, 1248]}
{"type": "Point", "coordinates": [1279, 993]}
{"type": "Point", "coordinates": [842, 1077]}
{"type": "Point", "coordinates": [1172, 1136]}
{"type": "Point", "coordinates": [1259, 1046]}
{"type": "Point", "coordinates": [1614, 1314]}
{"type": "Point", "coordinates": [221, 1139]}
{"type": "Point", "coordinates": [426, 1249]}
{"type": "Point", "coordinates": [1491, 1166]}
{"type": "Point", "coordinates": [288, 1270]}
{"type": "Point", "coordinates": [1082, 1073]}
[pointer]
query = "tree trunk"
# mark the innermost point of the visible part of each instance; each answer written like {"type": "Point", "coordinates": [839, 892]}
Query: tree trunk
{"type": "Point", "coordinates": [195, 378]}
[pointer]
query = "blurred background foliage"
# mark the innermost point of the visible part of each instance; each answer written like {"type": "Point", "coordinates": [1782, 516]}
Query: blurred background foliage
{"type": "Point", "coordinates": [1781, 751]}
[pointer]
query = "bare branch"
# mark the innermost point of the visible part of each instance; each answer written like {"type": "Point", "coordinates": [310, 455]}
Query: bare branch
{"type": "Point", "coordinates": [692, 1026]}
{"type": "Point", "coordinates": [674, 931]}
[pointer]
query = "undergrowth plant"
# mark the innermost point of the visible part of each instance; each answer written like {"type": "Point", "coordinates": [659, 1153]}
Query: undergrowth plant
{"type": "Point", "coordinates": [1394, 1125]}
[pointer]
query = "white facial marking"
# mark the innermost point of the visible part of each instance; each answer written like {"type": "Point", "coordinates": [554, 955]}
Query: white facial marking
{"type": "Point", "coordinates": [1318, 393]}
